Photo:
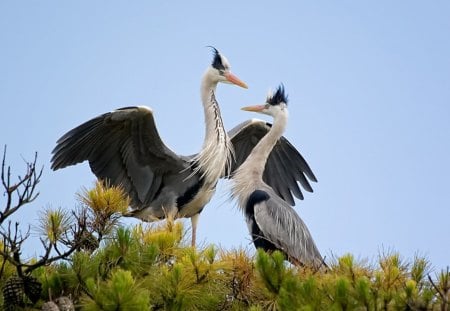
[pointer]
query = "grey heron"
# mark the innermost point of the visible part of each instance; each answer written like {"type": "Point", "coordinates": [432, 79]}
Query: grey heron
{"type": "Point", "coordinates": [272, 222]}
{"type": "Point", "coordinates": [124, 147]}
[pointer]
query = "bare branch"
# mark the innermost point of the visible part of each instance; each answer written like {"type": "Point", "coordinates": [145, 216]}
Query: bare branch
{"type": "Point", "coordinates": [12, 244]}
{"type": "Point", "coordinates": [84, 232]}
{"type": "Point", "coordinates": [18, 194]}
{"type": "Point", "coordinates": [24, 188]}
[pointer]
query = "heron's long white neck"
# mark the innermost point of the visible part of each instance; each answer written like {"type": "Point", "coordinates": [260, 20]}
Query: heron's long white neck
{"type": "Point", "coordinates": [217, 150]}
{"type": "Point", "coordinates": [249, 175]}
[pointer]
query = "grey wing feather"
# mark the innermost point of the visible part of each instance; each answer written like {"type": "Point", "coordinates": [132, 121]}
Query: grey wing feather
{"type": "Point", "coordinates": [282, 226]}
{"type": "Point", "coordinates": [285, 166]}
{"type": "Point", "coordinates": [124, 147]}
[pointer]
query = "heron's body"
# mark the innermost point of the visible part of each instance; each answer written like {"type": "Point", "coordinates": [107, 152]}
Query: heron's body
{"type": "Point", "coordinates": [124, 147]}
{"type": "Point", "coordinates": [272, 222]}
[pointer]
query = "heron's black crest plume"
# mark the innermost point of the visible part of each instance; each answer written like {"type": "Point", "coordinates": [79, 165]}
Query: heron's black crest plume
{"type": "Point", "coordinates": [217, 61]}
{"type": "Point", "coordinates": [278, 97]}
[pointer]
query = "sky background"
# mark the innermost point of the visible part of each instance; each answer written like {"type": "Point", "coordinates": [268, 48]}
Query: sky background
{"type": "Point", "coordinates": [368, 83]}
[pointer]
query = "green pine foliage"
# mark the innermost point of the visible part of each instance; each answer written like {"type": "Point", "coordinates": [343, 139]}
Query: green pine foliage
{"type": "Point", "coordinates": [119, 292]}
{"type": "Point", "coordinates": [152, 267]}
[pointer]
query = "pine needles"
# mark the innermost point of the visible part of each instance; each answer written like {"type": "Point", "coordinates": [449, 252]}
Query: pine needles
{"type": "Point", "coordinates": [132, 271]}
{"type": "Point", "coordinates": [152, 267]}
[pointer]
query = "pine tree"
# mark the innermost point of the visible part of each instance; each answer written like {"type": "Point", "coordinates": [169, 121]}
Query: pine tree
{"type": "Point", "coordinates": [92, 262]}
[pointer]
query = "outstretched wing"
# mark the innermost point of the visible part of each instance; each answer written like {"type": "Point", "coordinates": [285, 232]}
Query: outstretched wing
{"type": "Point", "coordinates": [283, 227]}
{"type": "Point", "coordinates": [124, 147]}
{"type": "Point", "coordinates": [285, 167]}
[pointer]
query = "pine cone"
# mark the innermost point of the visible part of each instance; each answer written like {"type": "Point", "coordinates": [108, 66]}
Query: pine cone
{"type": "Point", "coordinates": [90, 242]}
{"type": "Point", "coordinates": [50, 306]}
{"type": "Point", "coordinates": [33, 288]}
{"type": "Point", "coordinates": [65, 303]}
{"type": "Point", "coordinates": [14, 293]}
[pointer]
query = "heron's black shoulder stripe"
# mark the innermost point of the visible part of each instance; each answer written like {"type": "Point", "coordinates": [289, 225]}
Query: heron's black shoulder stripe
{"type": "Point", "coordinates": [257, 233]}
{"type": "Point", "coordinates": [256, 197]}
{"type": "Point", "coordinates": [190, 193]}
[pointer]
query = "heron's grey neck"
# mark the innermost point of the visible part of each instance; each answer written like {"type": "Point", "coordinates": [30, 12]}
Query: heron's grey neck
{"type": "Point", "coordinates": [249, 175]}
{"type": "Point", "coordinates": [216, 151]}
{"type": "Point", "coordinates": [214, 128]}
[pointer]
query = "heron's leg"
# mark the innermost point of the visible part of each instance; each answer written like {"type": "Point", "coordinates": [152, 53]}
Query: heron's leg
{"type": "Point", "coordinates": [194, 221]}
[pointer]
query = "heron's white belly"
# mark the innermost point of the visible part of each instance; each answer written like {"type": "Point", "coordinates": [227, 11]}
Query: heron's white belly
{"type": "Point", "coordinates": [197, 203]}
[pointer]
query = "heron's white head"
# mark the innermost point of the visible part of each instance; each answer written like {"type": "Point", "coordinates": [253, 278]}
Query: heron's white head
{"type": "Point", "coordinates": [276, 104]}
{"type": "Point", "coordinates": [219, 71]}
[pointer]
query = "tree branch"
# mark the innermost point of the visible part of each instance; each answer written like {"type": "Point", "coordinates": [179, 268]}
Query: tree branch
{"type": "Point", "coordinates": [24, 188]}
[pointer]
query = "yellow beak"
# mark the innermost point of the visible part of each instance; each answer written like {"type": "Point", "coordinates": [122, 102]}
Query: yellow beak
{"type": "Point", "coordinates": [235, 80]}
{"type": "Point", "coordinates": [256, 108]}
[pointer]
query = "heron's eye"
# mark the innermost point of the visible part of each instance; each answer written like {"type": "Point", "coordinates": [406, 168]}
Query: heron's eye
{"type": "Point", "coordinates": [221, 72]}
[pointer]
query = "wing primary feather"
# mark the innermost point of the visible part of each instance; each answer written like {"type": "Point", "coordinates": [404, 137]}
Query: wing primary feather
{"type": "Point", "coordinates": [280, 177]}
{"type": "Point", "coordinates": [302, 164]}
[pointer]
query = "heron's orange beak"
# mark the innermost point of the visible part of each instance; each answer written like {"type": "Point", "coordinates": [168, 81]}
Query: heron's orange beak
{"type": "Point", "coordinates": [257, 108]}
{"type": "Point", "coordinates": [235, 80]}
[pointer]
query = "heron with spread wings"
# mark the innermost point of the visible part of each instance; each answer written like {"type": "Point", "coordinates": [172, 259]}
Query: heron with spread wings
{"type": "Point", "coordinates": [124, 148]}
{"type": "Point", "coordinates": [272, 222]}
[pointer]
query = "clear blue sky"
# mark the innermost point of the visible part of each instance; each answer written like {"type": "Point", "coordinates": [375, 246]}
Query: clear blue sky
{"type": "Point", "coordinates": [368, 82]}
